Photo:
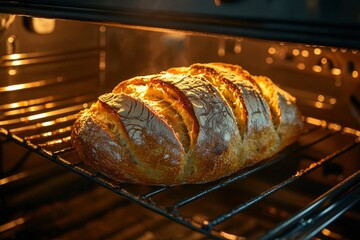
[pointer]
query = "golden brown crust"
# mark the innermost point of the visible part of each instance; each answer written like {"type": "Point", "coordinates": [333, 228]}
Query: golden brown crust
{"type": "Point", "coordinates": [186, 125]}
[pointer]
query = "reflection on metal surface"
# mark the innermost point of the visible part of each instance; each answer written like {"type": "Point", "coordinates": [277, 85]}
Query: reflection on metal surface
{"type": "Point", "coordinates": [355, 74]}
{"type": "Point", "coordinates": [331, 234]}
{"type": "Point", "coordinates": [343, 50]}
{"type": "Point", "coordinates": [351, 131]}
{"type": "Point", "coordinates": [47, 134]}
{"type": "Point", "coordinates": [237, 47]}
{"type": "Point", "coordinates": [26, 103]}
{"type": "Point", "coordinates": [230, 236]}
{"type": "Point", "coordinates": [12, 224]}
{"type": "Point", "coordinates": [21, 86]}
{"type": "Point", "coordinates": [305, 53]}
{"type": "Point", "coordinates": [45, 124]}
{"type": "Point", "coordinates": [47, 105]}
{"type": "Point", "coordinates": [12, 178]}
{"type": "Point", "coordinates": [55, 142]}
{"type": "Point", "coordinates": [332, 126]}
{"type": "Point", "coordinates": [42, 115]}
{"type": "Point", "coordinates": [20, 59]}
{"type": "Point", "coordinates": [336, 71]}
{"type": "Point", "coordinates": [316, 122]}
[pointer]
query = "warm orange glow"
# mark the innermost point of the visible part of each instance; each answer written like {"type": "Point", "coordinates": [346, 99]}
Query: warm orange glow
{"type": "Point", "coordinates": [323, 60]}
{"type": "Point", "coordinates": [336, 71]}
{"type": "Point", "coordinates": [305, 53]}
{"type": "Point", "coordinates": [315, 121]}
{"type": "Point", "coordinates": [334, 126]}
{"type": "Point", "coordinates": [102, 29]}
{"type": "Point", "coordinates": [319, 104]}
{"type": "Point", "coordinates": [317, 68]}
{"type": "Point", "coordinates": [14, 56]}
{"type": "Point", "coordinates": [296, 52]}
{"type": "Point", "coordinates": [269, 60]}
{"type": "Point", "coordinates": [351, 131]}
{"type": "Point", "coordinates": [229, 236]}
{"type": "Point", "coordinates": [12, 72]}
{"type": "Point", "coordinates": [17, 63]}
{"type": "Point", "coordinates": [332, 101]}
{"type": "Point", "coordinates": [301, 66]}
{"type": "Point", "coordinates": [317, 51]}
{"type": "Point", "coordinates": [355, 74]}
{"type": "Point", "coordinates": [12, 224]}
{"type": "Point", "coordinates": [237, 47]}
{"type": "Point", "coordinates": [331, 234]}
{"type": "Point", "coordinates": [271, 50]}
{"type": "Point", "coordinates": [321, 98]}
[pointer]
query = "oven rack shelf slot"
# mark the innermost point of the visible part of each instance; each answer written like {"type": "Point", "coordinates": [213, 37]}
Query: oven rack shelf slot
{"type": "Point", "coordinates": [50, 138]}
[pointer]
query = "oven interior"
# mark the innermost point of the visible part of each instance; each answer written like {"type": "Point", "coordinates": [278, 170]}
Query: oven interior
{"type": "Point", "coordinates": [51, 69]}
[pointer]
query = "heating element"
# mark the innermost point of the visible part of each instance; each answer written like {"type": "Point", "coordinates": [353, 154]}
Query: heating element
{"type": "Point", "coordinates": [44, 125]}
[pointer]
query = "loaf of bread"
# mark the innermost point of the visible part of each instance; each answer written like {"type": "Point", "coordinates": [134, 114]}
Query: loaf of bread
{"type": "Point", "coordinates": [186, 125]}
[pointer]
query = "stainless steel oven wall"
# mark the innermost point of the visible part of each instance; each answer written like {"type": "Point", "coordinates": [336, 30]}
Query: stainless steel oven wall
{"type": "Point", "coordinates": [45, 65]}
{"type": "Point", "coordinates": [40, 54]}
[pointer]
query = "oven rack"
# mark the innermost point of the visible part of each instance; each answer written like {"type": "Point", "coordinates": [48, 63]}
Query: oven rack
{"type": "Point", "coordinates": [48, 134]}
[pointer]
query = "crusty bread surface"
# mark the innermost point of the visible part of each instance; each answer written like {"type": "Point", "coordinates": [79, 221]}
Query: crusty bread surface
{"type": "Point", "coordinates": [186, 125]}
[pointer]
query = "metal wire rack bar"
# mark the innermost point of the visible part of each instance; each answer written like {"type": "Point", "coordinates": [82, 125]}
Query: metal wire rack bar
{"type": "Point", "coordinates": [275, 188]}
{"type": "Point", "coordinates": [171, 211]}
{"type": "Point", "coordinates": [303, 217]}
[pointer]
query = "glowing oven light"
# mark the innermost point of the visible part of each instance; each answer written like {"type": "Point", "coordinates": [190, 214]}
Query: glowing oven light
{"type": "Point", "coordinates": [305, 53]}
{"type": "Point", "coordinates": [317, 68]}
{"type": "Point", "coordinates": [336, 71]}
{"type": "Point", "coordinates": [271, 50]}
{"type": "Point", "coordinates": [296, 52]}
{"type": "Point", "coordinates": [17, 63]}
{"type": "Point", "coordinates": [12, 72]}
{"type": "Point", "coordinates": [269, 60]}
{"type": "Point", "coordinates": [355, 74]}
{"type": "Point", "coordinates": [301, 66]}
{"type": "Point", "coordinates": [323, 60]}
{"type": "Point", "coordinates": [321, 98]}
{"type": "Point", "coordinates": [237, 47]}
{"type": "Point", "coordinates": [343, 50]}
{"type": "Point", "coordinates": [317, 51]}
{"type": "Point", "coordinates": [319, 105]}
{"type": "Point", "coordinates": [332, 101]}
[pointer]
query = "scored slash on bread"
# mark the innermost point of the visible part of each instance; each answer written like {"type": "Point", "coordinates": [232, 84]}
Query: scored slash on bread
{"type": "Point", "coordinates": [186, 125]}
